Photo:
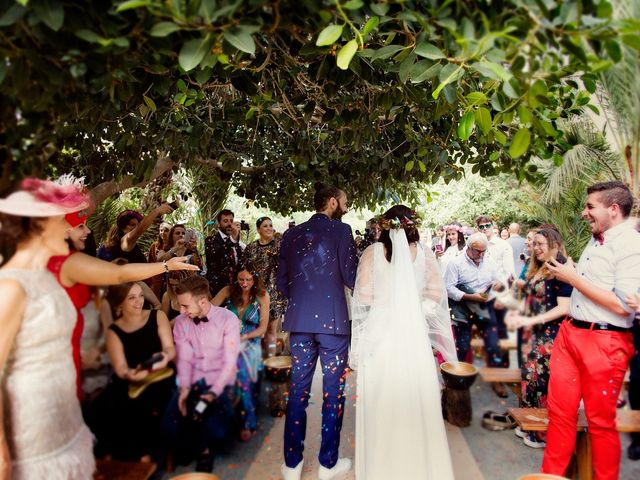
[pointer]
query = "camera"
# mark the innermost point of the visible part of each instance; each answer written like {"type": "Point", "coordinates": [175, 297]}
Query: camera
{"type": "Point", "coordinates": [149, 362]}
{"type": "Point", "coordinates": [561, 258]}
{"type": "Point", "coordinates": [244, 226]}
{"type": "Point", "coordinates": [174, 204]}
{"type": "Point", "coordinates": [523, 257]}
{"type": "Point", "coordinates": [292, 223]}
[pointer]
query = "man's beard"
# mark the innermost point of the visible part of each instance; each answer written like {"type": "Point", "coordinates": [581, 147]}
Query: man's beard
{"type": "Point", "coordinates": [337, 215]}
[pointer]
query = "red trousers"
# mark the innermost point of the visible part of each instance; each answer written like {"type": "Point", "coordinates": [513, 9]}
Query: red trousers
{"type": "Point", "coordinates": [588, 364]}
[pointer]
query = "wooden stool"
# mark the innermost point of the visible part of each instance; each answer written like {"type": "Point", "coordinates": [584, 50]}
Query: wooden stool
{"type": "Point", "coordinates": [117, 470]}
{"type": "Point", "coordinates": [456, 399]}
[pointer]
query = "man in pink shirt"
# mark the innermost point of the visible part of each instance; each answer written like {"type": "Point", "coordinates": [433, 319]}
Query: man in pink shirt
{"type": "Point", "coordinates": [207, 342]}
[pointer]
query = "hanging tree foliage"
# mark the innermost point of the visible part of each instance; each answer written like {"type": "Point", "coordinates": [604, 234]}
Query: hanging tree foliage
{"type": "Point", "coordinates": [377, 96]}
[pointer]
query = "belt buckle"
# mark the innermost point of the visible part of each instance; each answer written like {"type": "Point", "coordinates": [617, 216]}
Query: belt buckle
{"type": "Point", "coordinates": [603, 326]}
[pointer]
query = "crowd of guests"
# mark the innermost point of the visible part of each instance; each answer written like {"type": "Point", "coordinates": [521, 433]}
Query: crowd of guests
{"type": "Point", "coordinates": [146, 322]}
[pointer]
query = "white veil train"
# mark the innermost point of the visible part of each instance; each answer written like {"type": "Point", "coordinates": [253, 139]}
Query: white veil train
{"type": "Point", "coordinates": [399, 311]}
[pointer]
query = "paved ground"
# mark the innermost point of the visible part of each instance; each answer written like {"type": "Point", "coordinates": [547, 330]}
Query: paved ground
{"type": "Point", "coordinates": [477, 453]}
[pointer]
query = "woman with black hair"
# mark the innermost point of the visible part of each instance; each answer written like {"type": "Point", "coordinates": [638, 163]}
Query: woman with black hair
{"type": "Point", "coordinates": [124, 235]}
{"type": "Point", "coordinates": [454, 244]}
{"type": "Point", "coordinates": [178, 245]}
{"type": "Point", "coordinates": [247, 298]}
{"type": "Point", "coordinates": [263, 255]}
{"type": "Point", "coordinates": [400, 313]}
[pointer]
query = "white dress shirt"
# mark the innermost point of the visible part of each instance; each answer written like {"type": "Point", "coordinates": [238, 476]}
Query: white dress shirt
{"type": "Point", "coordinates": [501, 253]}
{"type": "Point", "coordinates": [239, 242]}
{"type": "Point", "coordinates": [449, 254]}
{"type": "Point", "coordinates": [613, 265]}
{"type": "Point", "coordinates": [463, 271]}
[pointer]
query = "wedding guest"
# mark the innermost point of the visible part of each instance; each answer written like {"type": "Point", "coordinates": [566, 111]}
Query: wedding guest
{"type": "Point", "coordinates": [124, 235]}
{"type": "Point", "coordinates": [633, 450]}
{"type": "Point", "coordinates": [454, 244]}
{"type": "Point", "coordinates": [594, 345]}
{"type": "Point", "coordinates": [504, 234]}
{"type": "Point", "coordinates": [467, 280]}
{"type": "Point", "coordinates": [546, 304]}
{"type": "Point", "coordinates": [170, 305]}
{"type": "Point", "coordinates": [223, 251]}
{"type": "Point", "coordinates": [263, 255]}
{"type": "Point", "coordinates": [200, 414]}
{"type": "Point", "coordinates": [249, 301]}
{"type": "Point", "coordinates": [158, 282]}
{"type": "Point", "coordinates": [37, 385]}
{"type": "Point", "coordinates": [517, 246]}
{"type": "Point", "coordinates": [129, 428]}
{"type": "Point", "coordinates": [179, 245]}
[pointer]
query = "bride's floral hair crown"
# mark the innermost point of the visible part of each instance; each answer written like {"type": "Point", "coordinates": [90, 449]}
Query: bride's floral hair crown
{"type": "Point", "coordinates": [396, 223]}
{"type": "Point", "coordinates": [454, 227]}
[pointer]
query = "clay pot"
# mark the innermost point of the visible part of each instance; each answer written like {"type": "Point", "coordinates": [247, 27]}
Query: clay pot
{"type": "Point", "coordinates": [278, 369]}
{"type": "Point", "coordinates": [458, 376]}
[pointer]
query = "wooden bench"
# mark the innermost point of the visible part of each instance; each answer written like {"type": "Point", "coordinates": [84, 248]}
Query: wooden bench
{"type": "Point", "coordinates": [537, 420]}
{"type": "Point", "coordinates": [504, 343]}
{"type": "Point", "coordinates": [511, 376]}
{"type": "Point", "coordinates": [117, 470]}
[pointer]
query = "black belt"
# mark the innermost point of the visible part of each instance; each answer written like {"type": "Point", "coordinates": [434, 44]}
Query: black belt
{"type": "Point", "coordinates": [596, 325]}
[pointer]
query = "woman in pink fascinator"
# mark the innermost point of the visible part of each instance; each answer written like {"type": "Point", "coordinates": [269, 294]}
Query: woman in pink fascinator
{"type": "Point", "coordinates": [43, 433]}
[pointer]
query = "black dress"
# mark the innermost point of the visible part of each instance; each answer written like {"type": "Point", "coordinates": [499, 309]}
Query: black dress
{"type": "Point", "coordinates": [130, 428]}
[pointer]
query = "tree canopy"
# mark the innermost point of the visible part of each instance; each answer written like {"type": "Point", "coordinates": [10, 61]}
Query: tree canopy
{"type": "Point", "coordinates": [272, 95]}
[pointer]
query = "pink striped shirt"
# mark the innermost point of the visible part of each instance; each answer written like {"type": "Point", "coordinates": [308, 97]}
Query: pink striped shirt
{"type": "Point", "coordinates": [208, 350]}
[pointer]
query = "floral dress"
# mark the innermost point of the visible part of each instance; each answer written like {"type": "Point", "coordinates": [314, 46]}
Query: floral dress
{"type": "Point", "coordinates": [264, 258]}
{"type": "Point", "coordinates": [249, 363]}
{"type": "Point", "coordinates": [542, 296]}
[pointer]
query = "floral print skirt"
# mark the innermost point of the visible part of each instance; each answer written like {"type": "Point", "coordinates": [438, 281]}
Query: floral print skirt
{"type": "Point", "coordinates": [535, 370]}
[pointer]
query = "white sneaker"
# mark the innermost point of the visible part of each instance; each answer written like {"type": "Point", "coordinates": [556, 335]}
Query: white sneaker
{"type": "Point", "coordinates": [342, 466]}
{"type": "Point", "coordinates": [294, 473]}
{"type": "Point", "coordinates": [519, 432]}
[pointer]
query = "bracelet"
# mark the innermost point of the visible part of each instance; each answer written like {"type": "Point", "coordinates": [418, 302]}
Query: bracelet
{"type": "Point", "coordinates": [166, 267]}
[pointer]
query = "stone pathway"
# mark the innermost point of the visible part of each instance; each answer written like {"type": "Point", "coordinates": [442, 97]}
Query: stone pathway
{"type": "Point", "coordinates": [477, 454]}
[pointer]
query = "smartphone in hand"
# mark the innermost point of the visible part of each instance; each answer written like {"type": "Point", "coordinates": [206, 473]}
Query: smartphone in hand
{"type": "Point", "coordinates": [150, 362]}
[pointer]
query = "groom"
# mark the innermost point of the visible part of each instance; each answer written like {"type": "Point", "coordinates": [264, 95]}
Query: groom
{"type": "Point", "coordinates": [317, 260]}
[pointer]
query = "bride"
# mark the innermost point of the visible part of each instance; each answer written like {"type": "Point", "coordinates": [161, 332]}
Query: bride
{"type": "Point", "coordinates": [399, 312]}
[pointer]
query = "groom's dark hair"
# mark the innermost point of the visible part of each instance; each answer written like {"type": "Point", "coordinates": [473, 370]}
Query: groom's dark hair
{"type": "Point", "coordinates": [323, 194]}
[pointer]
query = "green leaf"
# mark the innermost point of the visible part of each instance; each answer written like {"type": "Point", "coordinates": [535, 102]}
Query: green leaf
{"type": "Point", "coordinates": [492, 70]}
{"type": "Point", "coordinates": [520, 143]}
{"type": "Point", "coordinates": [386, 52]}
{"type": "Point", "coordinates": [329, 35]}
{"type": "Point", "coordinates": [409, 165]}
{"type": "Point", "coordinates": [11, 16]}
{"type": "Point", "coordinates": [465, 127]}
{"type": "Point", "coordinates": [150, 103]}
{"type": "Point", "coordinates": [427, 50]}
{"type": "Point", "coordinates": [423, 167]}
{"type": "Point", "coordinates": [613, 50]}
{"type": "Point", "coordinates": [241, 39]}
{"type": "Point", "coordinates": [524, 113]}
{"type": "Point", "coordinates": [405, 67]}
{"type": "Point", "coordinates": [88, 36]}
{"type": "Point", "coordinates": [163, 29]}
{"type": "Point", "coordinates": [380, 9]}
{"type": "Point", "coordinates": [483, 119]}
{"type": "Point", "coordinates": [353, 4]}
{"type": "Point", "coordinates": [51, 12]}
{"type": "Point", "coordinates": [346, 53]}
{"type": "Point", "coordinates": [500, 137]}
{"type": "Point", "coordinates": [371, 24]}
{"type": "Point", "coordinates": [449, 74]}
{"type": "Point", "coordinates": [631, 40]}
{"type": "Point", "coordinates": [604, 9]}
{"type": "Point", "coordinates": [424, 70]}
{"type": "Point", "coordinates": [131, 4]}
{"type": "Point", "coordinates": [193, 52]}
{"type": "Point", "coordinates": [477, 98]}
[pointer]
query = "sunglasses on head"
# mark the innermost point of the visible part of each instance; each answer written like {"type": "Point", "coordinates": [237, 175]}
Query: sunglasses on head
{"type": "Point", "coordinates": [484, 226]}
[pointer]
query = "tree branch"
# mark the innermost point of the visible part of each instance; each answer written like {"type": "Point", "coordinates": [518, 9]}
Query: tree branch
{"type": "Point", "coordinates": [106, 189]}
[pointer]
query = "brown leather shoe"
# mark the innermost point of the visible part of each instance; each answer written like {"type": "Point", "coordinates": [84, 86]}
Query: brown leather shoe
{"type": "Point", "coordinates": [499, 389]}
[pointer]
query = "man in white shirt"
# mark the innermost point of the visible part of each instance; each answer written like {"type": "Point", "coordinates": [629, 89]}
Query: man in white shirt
{"type": "Point", "coordinates": [594, 345]}
{"type": "Point", "coordinates": [501, 253]}
{"type": "Point", "coordinates": [467, 278]}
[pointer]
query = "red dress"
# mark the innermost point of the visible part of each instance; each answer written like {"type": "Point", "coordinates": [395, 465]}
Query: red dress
{"type": "Point", "coordinates": [80, 295]}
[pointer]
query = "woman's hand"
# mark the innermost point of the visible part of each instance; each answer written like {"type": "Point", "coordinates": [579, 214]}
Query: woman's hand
{"type": "Point", "coordinates": [162, 363]}
{"type": "Point", "coordinates": [179, 263]}
{"type": "Point", "coordinates": [136, 375]}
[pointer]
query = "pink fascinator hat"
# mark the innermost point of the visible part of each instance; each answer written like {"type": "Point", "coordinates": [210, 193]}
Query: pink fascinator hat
{"type": "Point", "coordinates": [47, 198]}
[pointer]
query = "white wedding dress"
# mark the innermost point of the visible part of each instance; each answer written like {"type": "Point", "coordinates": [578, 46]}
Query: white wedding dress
{"type": "Point", "coordinates": [399, 311]}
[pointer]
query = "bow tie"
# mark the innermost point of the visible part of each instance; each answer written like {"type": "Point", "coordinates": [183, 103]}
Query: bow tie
{"type": "Point", "coordinates": [197, 320]}
{"type": "Point", "coordinates": [599, 238]}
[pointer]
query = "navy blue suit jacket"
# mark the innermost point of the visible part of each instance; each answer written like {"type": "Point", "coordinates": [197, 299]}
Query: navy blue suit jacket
{"type": "Point", "coordinates": [317, 260]}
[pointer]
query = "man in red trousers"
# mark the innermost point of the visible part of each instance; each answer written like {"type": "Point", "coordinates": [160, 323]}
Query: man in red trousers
{"type": "Point", "coordinates": [592, 350]}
